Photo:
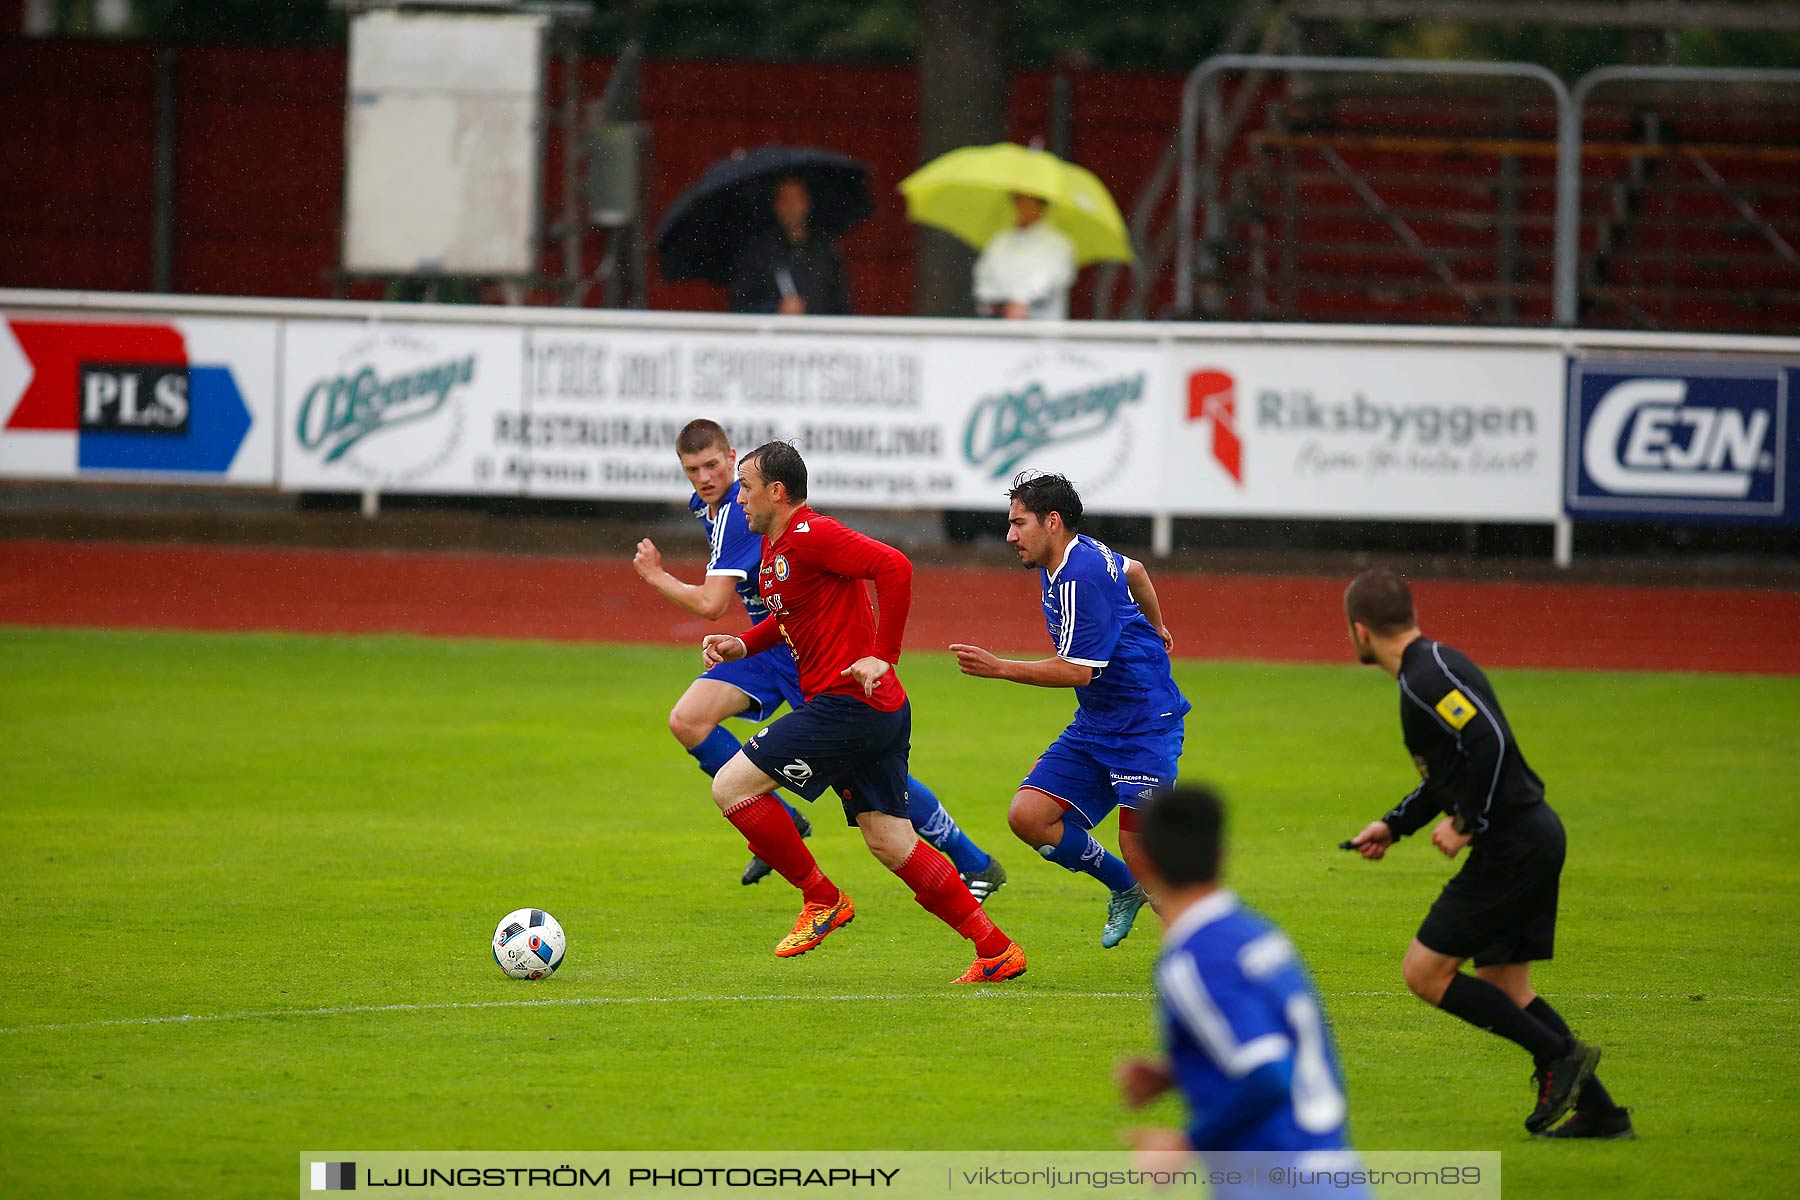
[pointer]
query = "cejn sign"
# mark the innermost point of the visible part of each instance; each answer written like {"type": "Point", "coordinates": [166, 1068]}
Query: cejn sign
{"type": "Point", "coordinates": [1677, 438]}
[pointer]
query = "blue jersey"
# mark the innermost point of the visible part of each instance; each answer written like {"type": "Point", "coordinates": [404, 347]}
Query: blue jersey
{"type": "Point", "coordinates": [1246, 1035]}
{"type": "Point", "coordinates": [735, 550]}
{"type": "Point", "coordinates": [1094, 622]}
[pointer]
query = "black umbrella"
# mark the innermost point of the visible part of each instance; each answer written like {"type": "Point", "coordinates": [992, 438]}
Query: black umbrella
{"type": "Point", "coordinates": [705, 228]}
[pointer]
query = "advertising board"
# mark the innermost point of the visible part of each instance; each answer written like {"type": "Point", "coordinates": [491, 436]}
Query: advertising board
{"type": "Point", "coordinates": [1423, 433]}
{"type": "Point", "coordinates": [190, 400]}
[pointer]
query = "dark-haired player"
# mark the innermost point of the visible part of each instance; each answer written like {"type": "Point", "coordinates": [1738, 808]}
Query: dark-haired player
{"type": "Point", "coordinates": [755, 688]}
{"type": "Point", "coordinates": [1113, 649]}
{"type": "Point", "coordinates": [1245, 1034]}
{"type": "Point", "coordinates": [1500, 909]}
{"type": "Point", "coordinates": [853, 733]}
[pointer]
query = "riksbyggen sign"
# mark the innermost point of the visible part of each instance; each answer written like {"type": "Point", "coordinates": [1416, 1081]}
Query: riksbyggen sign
{"type": "Point", "coordinates": [1405, 432]}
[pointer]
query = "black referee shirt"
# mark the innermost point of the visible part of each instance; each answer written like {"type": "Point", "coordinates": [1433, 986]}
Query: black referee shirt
{"type": "Point", "coordinates": [1469, 762]}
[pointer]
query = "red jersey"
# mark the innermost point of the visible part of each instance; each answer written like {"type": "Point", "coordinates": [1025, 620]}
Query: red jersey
{"type": "Point", "coordinates": [812, 580]}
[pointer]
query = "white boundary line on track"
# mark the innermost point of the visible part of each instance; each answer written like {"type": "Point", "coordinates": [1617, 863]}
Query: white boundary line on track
{"type": "Point", "coordinates": [574, 1001]}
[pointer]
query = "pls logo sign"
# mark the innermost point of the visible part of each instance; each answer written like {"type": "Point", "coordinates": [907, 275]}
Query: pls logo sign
{"type": "Point", "coordinates": [1668, 438]}
{"type": "Point", "coordinates": [129, 396]}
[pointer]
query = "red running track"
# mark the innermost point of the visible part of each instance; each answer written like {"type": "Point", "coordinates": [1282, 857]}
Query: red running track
{"type": "Point", "coordinates": [1283, 618]}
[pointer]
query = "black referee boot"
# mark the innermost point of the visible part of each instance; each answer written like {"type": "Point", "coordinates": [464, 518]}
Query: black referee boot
{"type": "Point", "coordinates": [1559, 1081]}
{"type": "Point", "coordinates": [1614, 1126]}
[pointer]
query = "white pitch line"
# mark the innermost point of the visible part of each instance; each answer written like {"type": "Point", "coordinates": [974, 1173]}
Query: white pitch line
{"type": "Point", "coordinates": [552, 1002]}
{"type": "Point", "coordinates": [881, 997]}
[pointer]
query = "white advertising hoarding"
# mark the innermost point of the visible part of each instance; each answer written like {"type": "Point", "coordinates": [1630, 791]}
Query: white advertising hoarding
{"type": "Point", "coordinates": [1306, 428]}
{"type": "Point", "coordinates": [883, 421]}
{"type": "Point", "coordinates": [397, 408]}
{"type": "Point", "coordinates": [1418, 433]}
{"type": "Point", "coordinates": [1088, 410]}
{"type": "Point", "coordinates": [189, 400]}
{"type": "Point", "coordinates": [603, 411]}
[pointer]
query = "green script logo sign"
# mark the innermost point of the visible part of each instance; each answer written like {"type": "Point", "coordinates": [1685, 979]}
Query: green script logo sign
{"type": "Point", "coordinates": [341, 411]}
{"type": "Point", "coordinates": [1005, 427]}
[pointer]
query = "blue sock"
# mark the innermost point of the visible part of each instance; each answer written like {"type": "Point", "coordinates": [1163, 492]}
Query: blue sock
{"type": "Point", "coordinates": [939, 829]}
{"type": "Point", "coordinates": [716, 749]}
{"type": "Point", "coordinates": [1078, 851]}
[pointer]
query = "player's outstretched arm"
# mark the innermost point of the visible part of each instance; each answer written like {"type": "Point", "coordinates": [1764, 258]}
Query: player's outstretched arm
{"type": "Point", "coordinates": [1045, 672]}
{"type": "Point", "coordinates": [839, 549]}
{"type": "Point", "coordinates": [1143, 592]}
{"type": "Point", "coordinates": [728, 647]}
{"type": "Point", "coordinates": [711, 599]}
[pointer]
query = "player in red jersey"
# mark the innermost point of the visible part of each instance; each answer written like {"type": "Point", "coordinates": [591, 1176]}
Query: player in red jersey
{"type": "Point", "coordinates": [854, 732]}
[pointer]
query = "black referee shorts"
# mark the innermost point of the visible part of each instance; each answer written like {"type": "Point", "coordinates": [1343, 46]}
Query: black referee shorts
{"type": "Point", "coordinates": [839, 742]}
{"type": "Point", "coordinates": [1501, 907]}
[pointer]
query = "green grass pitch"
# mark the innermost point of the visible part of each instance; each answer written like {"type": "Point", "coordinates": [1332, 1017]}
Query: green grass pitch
{"type": "Point", "coordinates": [303, 844]}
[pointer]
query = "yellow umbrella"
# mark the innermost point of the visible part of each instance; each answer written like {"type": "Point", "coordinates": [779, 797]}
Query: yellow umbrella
{"type": "Point", "coordinates": [968, 192]}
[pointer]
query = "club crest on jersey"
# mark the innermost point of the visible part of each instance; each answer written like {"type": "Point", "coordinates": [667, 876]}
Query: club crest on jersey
{"type": "Point", "coordinates": [781, 567]}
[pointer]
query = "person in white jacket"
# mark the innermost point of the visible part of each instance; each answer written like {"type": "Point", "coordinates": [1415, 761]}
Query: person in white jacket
{"type": "Point", "coordinates": [1026, 271]}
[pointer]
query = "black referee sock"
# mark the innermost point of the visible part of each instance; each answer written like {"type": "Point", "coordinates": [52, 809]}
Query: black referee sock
{"type": "Point", "coordinates": [1594, 1096]}
{"type": "Point", "coordinates": [1485, 1006]}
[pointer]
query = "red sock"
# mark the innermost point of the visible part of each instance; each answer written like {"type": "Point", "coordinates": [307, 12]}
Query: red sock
{"type": "Point", "coordinates": [979, 928]}
{"type": "Point", "coordinates": [766, 825]}
{"type": "Point", "coordinates": [941, 892]}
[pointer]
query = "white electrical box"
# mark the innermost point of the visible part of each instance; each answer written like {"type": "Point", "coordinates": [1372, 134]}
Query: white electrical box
{"type": "Point", "coordinates": [443, 144]}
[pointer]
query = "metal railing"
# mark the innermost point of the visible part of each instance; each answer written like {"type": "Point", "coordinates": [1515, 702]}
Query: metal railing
{"type": "Point", "coordinates": [1200, 216]}
{"type": "Point", "coordinates": [1199, 87]}
{"type": "Point", "coordinates": [1568, 157]}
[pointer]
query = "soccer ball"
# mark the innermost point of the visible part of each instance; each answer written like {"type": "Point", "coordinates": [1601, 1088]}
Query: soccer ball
{"type": "Point", "coordinates": [529, 944]}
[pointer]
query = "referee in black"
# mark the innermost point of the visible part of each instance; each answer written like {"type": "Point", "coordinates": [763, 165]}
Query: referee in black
{"type": "Point", "coordinates": [1500, 909]}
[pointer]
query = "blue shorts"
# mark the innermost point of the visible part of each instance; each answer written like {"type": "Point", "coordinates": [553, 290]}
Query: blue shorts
{"type": "Point", "coordinates": [769, 680]}
{"type": "Point", "coordinates": [1094, 774]}
{"type": "Point", "coordinates": [839, 742]}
